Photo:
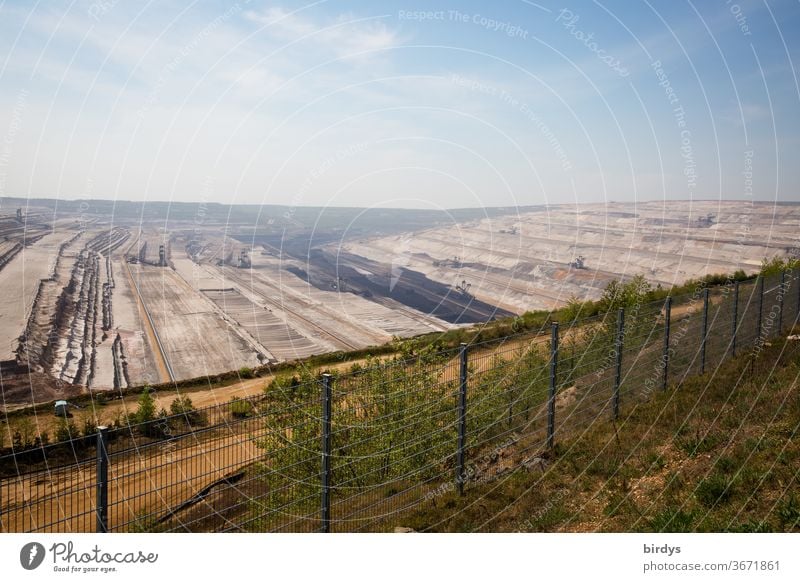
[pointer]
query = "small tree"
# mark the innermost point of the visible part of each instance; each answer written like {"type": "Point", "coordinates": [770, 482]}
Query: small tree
{"type": "Point", "coordinates": [574, 310]}
{"type": "Point", "coordinates": [183, 406]}
{"type": "Point", "coordinates": [27, 432]}
{"type": "Point", "coordinates": [145, 415]}
{"type": "Point", "coordinates": [618, 294]}
{"type": "Point", "coordinates": [89, 425]}
{"type": "Point", "coordinates": [66, 430]}
{"type": "Point", "coordinates": [147, 407]}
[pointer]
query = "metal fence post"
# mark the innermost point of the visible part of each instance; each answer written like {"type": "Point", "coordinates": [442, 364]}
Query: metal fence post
{"type": "Point", "coordinates": [796, 283]}
{"type": "Point", "coordinates": [101, 508]}
{"type": "Point", "coordinates": [735, 317]}
{"type": "Point", "coordinates": [760, 328]}
{"type": "Point", "coordinates": [551, 394]}
{"type": "Point", "coordinates": [462, 418]}
{"type": "Point", "coordinates": [667, 317]}
{"type": "Point", "coordinates": [618, 356]}
{"type": "Point", "coordinates": [781, 297]}
{"type": "Point", "coordinates": [705, 333]}
{"type": "Point", "coordinates": [325, 513]}
{"type": "Point", "coordinates": [797, 307]}
{"type": "Point", "coordinates": [510, 406]}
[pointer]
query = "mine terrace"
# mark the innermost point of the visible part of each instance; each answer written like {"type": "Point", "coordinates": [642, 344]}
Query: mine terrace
{"type": "Point", "coordinates": [108, 295]}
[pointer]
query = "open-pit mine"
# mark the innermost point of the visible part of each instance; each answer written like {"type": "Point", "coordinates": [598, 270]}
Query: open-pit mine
{"type": "Point", "coordinates": [104, 296]}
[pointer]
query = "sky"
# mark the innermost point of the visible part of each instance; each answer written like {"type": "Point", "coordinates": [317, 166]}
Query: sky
{"type": "Point", "coordinates": [433, 104]}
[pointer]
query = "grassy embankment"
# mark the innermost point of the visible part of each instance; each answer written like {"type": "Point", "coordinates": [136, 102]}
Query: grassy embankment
{"type": "Point", "coordinates": [718, 453]}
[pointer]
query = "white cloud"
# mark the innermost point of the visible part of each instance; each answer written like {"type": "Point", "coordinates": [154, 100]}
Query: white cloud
{"type": "Point", "coordinates": [346, 36]}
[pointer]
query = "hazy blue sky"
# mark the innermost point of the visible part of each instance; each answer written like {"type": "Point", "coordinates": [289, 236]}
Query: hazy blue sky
{"type": "Point", "coordinates": [371, 102]}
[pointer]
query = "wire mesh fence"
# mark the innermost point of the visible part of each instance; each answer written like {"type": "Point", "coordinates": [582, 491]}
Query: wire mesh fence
{"type": "Point", "coordinates": [351, 451]}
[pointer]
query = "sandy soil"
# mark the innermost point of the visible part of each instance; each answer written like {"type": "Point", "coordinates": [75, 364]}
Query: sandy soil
{"type": "Point", "coordinates": [19, 282]}
{"type": "Point", "coordinates": [196, 340]}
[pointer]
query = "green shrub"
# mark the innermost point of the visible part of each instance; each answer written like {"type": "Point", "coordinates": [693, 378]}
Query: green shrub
{"type": "Point", "coordinates": [713, 491]}
{"type": "Point", "coordinates": [144, 522]}
{"type": "Point", "coordinates": [654, 461]}
{"type": "Point", "coordinates": [751, 527]}
{"type": "Point", "coordinates": [27, 433]}
{"type": "Point", "coordinates": [147, 408]}
{"type": "Point", "coordinates": [292, 387]}
{"type": "Point", "coordinates": [149, 422]}
{"type": "Point", "coordinates": [89, 425]}
{"type": "Point", "coordinates": [699, 444]}
{"type": "Point", "coordinates": [181, 405]}
{"type": "Point", "coordinates": [789, 514]}
{"type": "Point", "coordinates": [245, 372]}
{"type": "Point", "coordinates": [672, 520]}
{"type": "Point", "coordinates": [121, 420]}
{"type": "Point", "coordinates": [625, 294]}
{"type": "Point", "coordinates": [241, 408]}
{"type": "Point", "coordinates": [727, 464]}
{"type": "Point", "coordinates": [66, 430]}
{"type": "Point", "coordinates": [183, 408]}
{"type": "Point", "coordinates": [776, 265]}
